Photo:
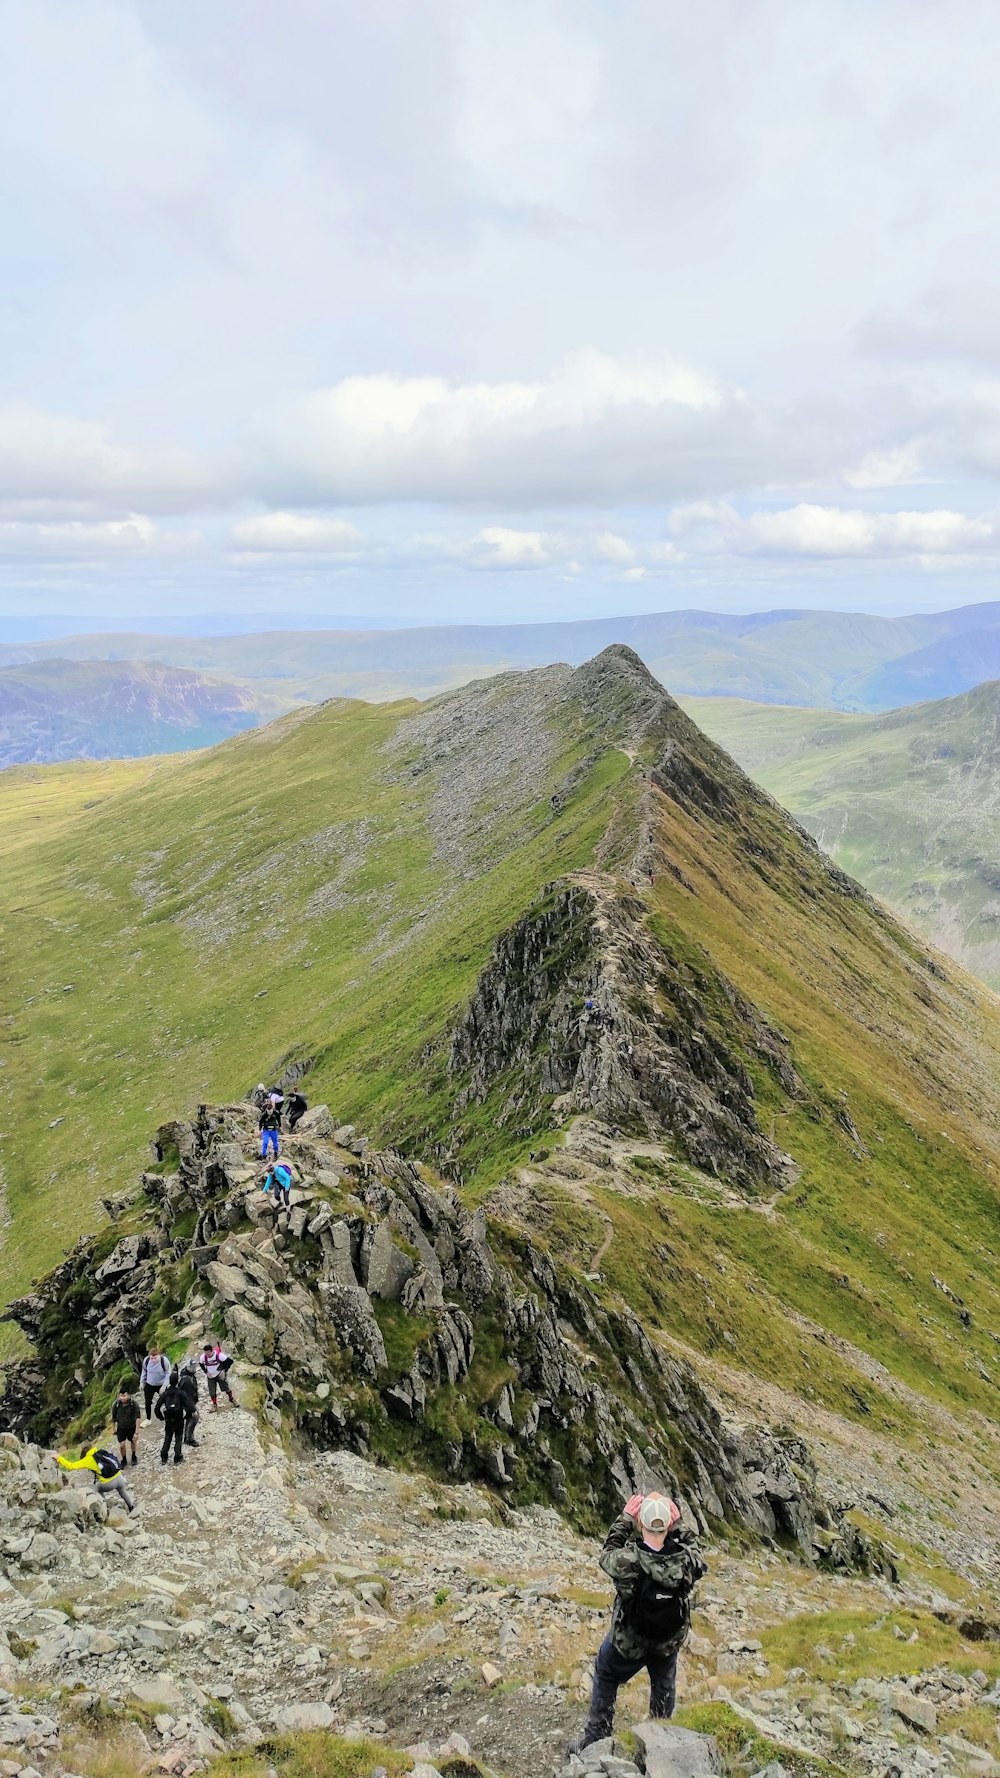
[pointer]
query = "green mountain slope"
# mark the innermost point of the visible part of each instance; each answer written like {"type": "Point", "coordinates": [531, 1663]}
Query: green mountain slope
{"type": "Point", "coordinates": [59, 709]}
{"type": "Point", "coordinates": [824, 658]}
{"type": "Point", "coordinates": [909, 803]}
{"type": "Point", "coordinates": [782, 1133]}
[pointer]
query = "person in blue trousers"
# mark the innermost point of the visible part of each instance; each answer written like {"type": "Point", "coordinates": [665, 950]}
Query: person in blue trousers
{"type": "Point", "coordinates": [270, 1125]}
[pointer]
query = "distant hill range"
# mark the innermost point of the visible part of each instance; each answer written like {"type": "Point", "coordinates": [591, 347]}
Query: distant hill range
{"type": "Point", "coordinates": [909, 802]}
{"type": "Point", "coordinates": [54, 710]}
{"type": "Point", "coordinates": [817, 659]}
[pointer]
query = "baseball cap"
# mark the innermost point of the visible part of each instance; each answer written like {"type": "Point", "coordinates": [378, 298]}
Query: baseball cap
{"type": "Point", "coordinates": [658, 1513]}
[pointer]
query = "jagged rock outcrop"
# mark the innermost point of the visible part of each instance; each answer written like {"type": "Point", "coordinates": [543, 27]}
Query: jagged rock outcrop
{"type": "Point", "coordinates": [663, 1047]}
{"type": "Point", "coordinates": [378, 1309]}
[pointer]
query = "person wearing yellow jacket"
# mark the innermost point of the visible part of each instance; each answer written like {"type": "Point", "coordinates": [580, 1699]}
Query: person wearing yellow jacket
{"type": "Point", "coordinates": [105, 1468]}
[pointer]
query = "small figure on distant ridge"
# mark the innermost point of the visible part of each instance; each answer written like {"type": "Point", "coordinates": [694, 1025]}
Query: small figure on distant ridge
{"type": "Point", "coordinates": [296, 1107]}
{"type": "Point", "coordinates": [154, 1375]}
{"type": "Point", "coordinates": [280, 1177]}
{"type": "Point", "coordinates": [125, 1420]}
{"type": "Point", "coordinates": [105, 1468]}
{"type": "Point", "coordinates": [270, 1124]}
{"type": "Point", "coordinates": [655, 1564]}
{"type": "Point", "coordinates": [171, 1409]}
{"type": "Point", "coordinates": [216, 1365]}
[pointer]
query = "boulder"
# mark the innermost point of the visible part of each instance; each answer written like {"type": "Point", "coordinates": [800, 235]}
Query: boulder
{"type": "Point", "coordinates": [123, 1258]}
{"type": "Point", "coordinates": [159, 1694]}
{"type": "Point", "coordinates": [919, 1712]}
{"type": "Point", "coordinates": [229, 1281]}
{"type": "Point", "coordinates": [317, 1123]}
{"type": "Point", "coordinates": [677, 1753]}
{"type": "Point", "coordinates": [388, 1267]}
{"type": "Point", "coordinates": [305, 1716]}
{"type": "Point", "coordinates": [349, 1311]}
{"type": "Point", "coordinates": [249, 1334]}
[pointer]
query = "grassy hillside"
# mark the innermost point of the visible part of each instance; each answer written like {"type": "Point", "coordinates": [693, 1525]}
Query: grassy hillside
{"type": "Point", "coordinates": [909, 803]}
{"type": "Point", "coordinates": [815, 658]}
{"type": "Point", "coordinates": [59, 709]}
{"type": "Point", "coordinates": [332, 887]}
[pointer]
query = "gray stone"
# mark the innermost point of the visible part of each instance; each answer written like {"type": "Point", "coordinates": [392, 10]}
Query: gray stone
{"type": "Point", "coordinates": [317, 1123]}
{"type": "Point", "coordinates": [249, 1334]}
{"type": "Point", "coordinates": [350, 1313]}
{"type": "Point", "coordinates": [919, 1712]}
{"type": "Point", "coordinates": [305, 1716]}
{"type": "Point", "coordinates": [159, 1694]}
{"type": "Point", "coordinates": [123, 1258]}
{"type": "Point", "coordinates": [229, 1281]}
{"type": "Point", "coordinates": [388, 1267]}
{"type": "Point", "coordinates": [677, 1753]}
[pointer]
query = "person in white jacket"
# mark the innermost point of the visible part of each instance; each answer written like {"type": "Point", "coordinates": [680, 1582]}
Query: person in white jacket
{"type": "Point", "coordinates": [216, 1365]}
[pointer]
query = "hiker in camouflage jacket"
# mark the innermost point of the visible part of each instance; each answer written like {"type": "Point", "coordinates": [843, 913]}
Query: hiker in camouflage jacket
{"type": "Point", "coordinates": [654, 1563]}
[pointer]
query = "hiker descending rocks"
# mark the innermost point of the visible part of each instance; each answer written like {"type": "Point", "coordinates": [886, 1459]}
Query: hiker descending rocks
{"type": "Point", "coordinates": [125, 1420]}
{"type": "Point", "coordinates": [154, 1376]}
{"type": "Point", "coordinates": [276, 1097]}
{"type": "Point", "coordinates": [187, 1384]}
{"type": "Point", "coordinates": [296, 1108]}
{"type": "Point", "coordinates": [270, 1124]}
{"type": "Point", "coordinates": [655, 1565]}
{"type": "Point", "coordinates": [171, 1409]}
{"type": "Point", "coordinates": [216, 1365]}
{"type": "Point", "coordinates": [279, 1179]}
{"type": "Point", "coordinates": [259, 1096]}
{"type": "Point", "coordinates": [105, 1468]}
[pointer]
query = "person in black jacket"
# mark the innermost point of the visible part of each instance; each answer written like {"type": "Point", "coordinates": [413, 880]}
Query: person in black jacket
{"type": "Point", "coordinates": [270, 1124]}
{"type": "Point", "coordinates": [187, 1383]}
{"type": "Point", "coordinates": [170, 1408]}
{"type": "Point", "coordinates": [125, 1420]}
{"type": "Point", "coordinates": [296, 1106]}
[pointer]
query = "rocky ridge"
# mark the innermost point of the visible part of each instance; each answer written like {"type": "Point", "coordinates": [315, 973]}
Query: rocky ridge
{"type": "Point", "coordinates": [380, 1315]}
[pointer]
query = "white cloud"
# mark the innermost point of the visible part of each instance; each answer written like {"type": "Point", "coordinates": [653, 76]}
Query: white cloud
{"type": "Point", "coordinates": [612, 548]}
{"type": "Point", "coordinates": [809, 530]}
{"type": "Point", "coordinates": [74, 539]}
{"type": "Point", "coordinates": [597, 427]}
{"type": "Point", "coordinates": [67, 463]}
{"type": "Point", "coordinates": [298, 531]}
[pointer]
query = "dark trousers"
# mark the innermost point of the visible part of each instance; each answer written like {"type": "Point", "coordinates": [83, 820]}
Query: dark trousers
{"type": "Point", "coordinates": [190, 1422]}
{"type": "Point", "coordinates": [612, 1669]}
{"type": "Point", "coordinates": [173, 1428]}
{"type": "Point", "coordinates": [150, 1392]}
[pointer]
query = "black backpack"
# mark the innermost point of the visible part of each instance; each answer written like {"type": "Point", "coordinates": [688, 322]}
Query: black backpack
{"type": "Point", "coordinates": [658, 1610]}
{"type": "Point", "coordinates": [108, 1464]}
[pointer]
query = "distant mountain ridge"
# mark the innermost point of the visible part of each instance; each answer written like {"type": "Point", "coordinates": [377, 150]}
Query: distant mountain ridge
{"type": "Point", "coordinates": [54, 709]}
{"type": "Point", "coordinates": [816, 659]}
{"type": "Point", "coordinates": [908, 802]}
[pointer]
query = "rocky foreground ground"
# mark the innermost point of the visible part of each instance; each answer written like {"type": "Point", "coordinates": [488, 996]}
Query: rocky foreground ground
{"type": "Point", "coordinates": [256, 1595]}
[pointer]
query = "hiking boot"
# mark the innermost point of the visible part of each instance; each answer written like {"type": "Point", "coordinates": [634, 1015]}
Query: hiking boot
{"type": "Point", "coordinates": [193, 1442]}
{"type": "Point", "coordinates": [163, 1460]}
{"type": "Point", "coordinates": [134, 1459]}
{"type": "Point", "coordinates": [178, 1459]}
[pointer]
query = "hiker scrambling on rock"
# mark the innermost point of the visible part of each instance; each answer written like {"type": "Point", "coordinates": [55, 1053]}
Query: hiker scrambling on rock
{"type": "Point", "coordinates": [296, 1107]}
{"type": "Point", "coordinates": [279, 1179]}
{"type": "Point", "coordinates": [187, 1383]}
{"type": "Point", "coordinates": [216, 1365]}
{"type": "Point", "coordinates": [105, 1468]}
{"type": "Point", "coordinates": [155, 1374]}
{"type": "Point", "coordinates": [654, 1565]}
{"type": "Point", "coordinates": [270, 1124]}
{"type": "Point", "coordinates": [171, 1409]}
{"type": "Point", "coordinates": [259, 1096]}
{"type": "Point", "coordinates": [125, 1420]}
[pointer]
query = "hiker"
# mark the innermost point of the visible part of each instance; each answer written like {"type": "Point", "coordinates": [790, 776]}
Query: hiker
{"type": "Point", "coordinates": [125, 1420]}
{"type": "Point", "coordinates": [280, 1177]}
{"type": "Point", "coordinates": [105, 1468]}
{"type": "Point", "coordinates": [187, 1383]}
{"type": "Point", "coordinates": [259, 1096]}
{"type": "Point", "coordinates": [171, 1409]}
{"type": "Point", "coordinates": [154, 1374]}
{"type": "Point", "coordinates": [654, 1564]}
{"type": "Point", "coordinates": [297, 1107]}
{"type": "Point", "coordinates": [216, 1365]}
{"type": "Point", "coordinates": [276, 1097]}
{"type": "Point", "coordinates": [270, 1124]}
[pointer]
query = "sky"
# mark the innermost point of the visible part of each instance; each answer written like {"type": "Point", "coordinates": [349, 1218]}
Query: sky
{"type": "Point", "coordinates": [494, 310]}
